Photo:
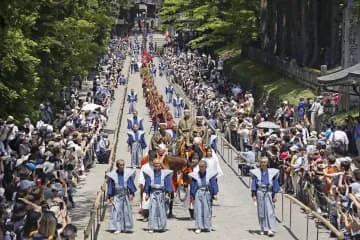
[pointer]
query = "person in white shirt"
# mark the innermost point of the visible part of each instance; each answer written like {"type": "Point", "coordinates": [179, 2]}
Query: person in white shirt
{"type": "Point", "coordinates": [244, 134]}
{"type": "Point", "coordinates": [314, 109]}
{"type": "Point", "coordinates": [29, 126]}
{"type": "Point", "coordinates": [12, 129]}
{"type": "Point", "coordinates": [339, 139]}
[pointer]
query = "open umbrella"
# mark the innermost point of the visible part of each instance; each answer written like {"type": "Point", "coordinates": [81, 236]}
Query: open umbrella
{"type": "Point", "coordinates": [268, 125]}
{"type": "Point", "coordinates": [92, 107]}
{"type": "Point", "coordinates": [236, 90]}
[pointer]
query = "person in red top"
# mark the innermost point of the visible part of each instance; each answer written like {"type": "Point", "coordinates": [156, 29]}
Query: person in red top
{"type": "Point", "coordinates": [336, 100]}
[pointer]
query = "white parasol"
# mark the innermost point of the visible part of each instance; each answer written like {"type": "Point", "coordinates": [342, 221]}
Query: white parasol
{"type": "Point", "coordinates": [236, 90]}
{"type": "Point", "coordinates": [268, 125]}
{"type": "Point", "coordinates": [92, 107]}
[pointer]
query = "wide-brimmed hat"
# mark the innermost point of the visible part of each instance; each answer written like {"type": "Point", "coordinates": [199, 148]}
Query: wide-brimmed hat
{"type": "Point", "coordinates": [294, 148]}
{"type": "Point", "coordinates": [197, 140]}
{"type": "Point", "coordinates": [47, 167]}
{"type": "Point", "coordinates": [298, 127]}
{"type": "Point", "coordinates": [21, 160]}
{"type": "Point", "coordinates": [313, 134]}
{"type": "Point", "coordinates": [56, 187]}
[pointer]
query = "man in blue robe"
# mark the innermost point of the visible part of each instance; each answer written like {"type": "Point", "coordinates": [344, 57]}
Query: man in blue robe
{"type": "Point", "coordinates": [133, 63]}
{"type": "Point", "coordinates": [203, 190]}
{"type": "Point", "coordinates": [264, 186]}
{"type": "Point", "coordinates": [122, 79]}
{"type": "Point", "coordinates": [132, 100]}
{"type": "Point", "coordinates": [158, 188]}
{"type": "Point", "coordinates": [103, 149]}
{"type": "Point", "coordinates": [136, 145]}
{"type": "Point", "coordinates": [121, 190]}
{"type": "Point", "coordinates": [135, 120]}
{"type": "Point", "coordinates": [178, 103]}
{"type": "Point", "coordinates": [212, 139]}
{"type": "Point", "coordinates": [169, 91]}
{"type": "Point", "coordinates": [212, 122]}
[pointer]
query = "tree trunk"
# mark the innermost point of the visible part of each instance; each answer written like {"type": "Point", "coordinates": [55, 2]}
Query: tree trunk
{"type": "Point", "coordinates": [304, 36]}
{"type": "Point", "coordinates": [293, 29]}
{"type": "Point", "coordinates": [334, 31]}
{"type": "Point", "coordinates": [270, 26]}
{"type": "Point", "coordinates": [263, 23]}
{"type": "Point", "coordinates": [282, 48]}
{"type": "Point", "coordinates": [275, 16]}
{"type": "Point", "coordinates": [315, 53]}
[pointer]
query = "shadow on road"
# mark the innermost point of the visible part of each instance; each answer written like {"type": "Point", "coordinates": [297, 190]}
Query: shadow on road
{"type": "Point", "coordinates": [109, 131]}
{"type": "Point", "coordinates": [183, 218]}
{"type": "Point", "coordinates": [291, 232]}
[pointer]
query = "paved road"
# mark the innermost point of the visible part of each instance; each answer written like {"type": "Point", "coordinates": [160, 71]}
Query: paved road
{"type": "Point", "coordinates": [85, 194]}
{"type": "Point", "coordinates": [235, 214]}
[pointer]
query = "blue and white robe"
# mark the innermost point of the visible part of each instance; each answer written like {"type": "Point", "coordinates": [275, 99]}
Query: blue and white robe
{"type": "Point", "coordinates": [212, 123]}
{"type": "Point", "coordinates": [137, 120]}
{"type": "Point", "coordinates": [153, 72]}
{"type": "Point", "coordinates": [169, 91]}
{"type": "Point", "coordinates": [102, 151]}
{"type": "Point", "coordinates": [264, 185]}
{"type": "Point", "coordinates": [213, 142]}
{"type": "Point", "coordinates": [178, 104]}
{"type": "Point", "coordinates": [120, 186]}
{"type": "Point", "coordinates": [157, 184]}
{"type": "Point", "coordinates": [136, 141]}
{"type": "Point", "coordinates": [132, 100]}
{"type": "Point", "coordinates": [202, 189]}
{"type": "Point", "coordinates": [122, 80]}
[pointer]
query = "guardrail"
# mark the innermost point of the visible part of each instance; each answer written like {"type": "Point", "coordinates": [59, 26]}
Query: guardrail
{"type": "Point", "coordinates": [238, 162]}
{"type": "Point", "coordinates": [309, 215]}
{"type": "Point", "coordinates": [97, 214]}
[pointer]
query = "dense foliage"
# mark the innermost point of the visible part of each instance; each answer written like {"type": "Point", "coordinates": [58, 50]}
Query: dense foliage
{"type": "Point", "coordinates": [44, 45]}
{"type": "Point", "coordinates": [214, 22]}
{"type": "Point", "coordinates": [303, 30]}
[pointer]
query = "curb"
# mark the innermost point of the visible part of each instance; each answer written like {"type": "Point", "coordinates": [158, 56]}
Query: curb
{"type": "Point", "coordinates": [97, 213]}
{"type": "Point", "coordinates": [118, 126]}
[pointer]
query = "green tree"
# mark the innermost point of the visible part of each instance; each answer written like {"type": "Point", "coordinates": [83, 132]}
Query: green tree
{"type": "Point", "coordinates": [45, 44]}
{"type": "Point", "coordinates": [214, 22]}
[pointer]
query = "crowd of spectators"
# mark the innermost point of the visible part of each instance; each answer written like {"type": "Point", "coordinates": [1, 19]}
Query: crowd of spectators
{"type": "Point", "coordinates": [41, 164]}
{"type": "Point", "coordinates": [316, 157]}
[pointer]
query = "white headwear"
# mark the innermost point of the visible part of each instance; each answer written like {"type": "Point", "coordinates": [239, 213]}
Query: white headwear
{"type": "Point", "coordinates": [162, 147]}
{"type": "Point", "coordinates": [197, 140]}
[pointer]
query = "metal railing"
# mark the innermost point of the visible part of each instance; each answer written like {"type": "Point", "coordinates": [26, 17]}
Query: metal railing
{"type": "Point", "coordinates": [238, 162]}
{"type": "Point", "coordinates": [320, 221]}
{"type": "Point", "coordinates": [97, 213]}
